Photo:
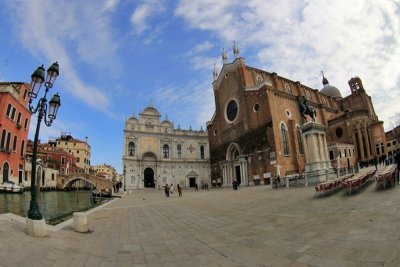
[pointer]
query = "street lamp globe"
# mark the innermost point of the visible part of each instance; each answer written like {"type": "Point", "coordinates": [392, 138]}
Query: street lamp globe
{"type": "Point", "coordinates": [36, 82]}
{"type": "Point", "coordinates": [54, 104]}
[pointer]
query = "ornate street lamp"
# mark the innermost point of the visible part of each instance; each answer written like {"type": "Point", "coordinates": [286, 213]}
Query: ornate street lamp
{"type": "Point", "coordinates": [124, 178]}
{"type": "Point", "coordinates": [42, 109]}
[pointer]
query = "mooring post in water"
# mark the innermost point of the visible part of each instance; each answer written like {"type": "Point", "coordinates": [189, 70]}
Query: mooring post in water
{"type": "Point", "coordinates": [91, 194]}
{"type": "Point", "coordinates": [77, 199]}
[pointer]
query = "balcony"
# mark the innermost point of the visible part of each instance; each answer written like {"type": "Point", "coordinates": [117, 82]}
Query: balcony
{"type": "Point", "coordinates": [19, 126]}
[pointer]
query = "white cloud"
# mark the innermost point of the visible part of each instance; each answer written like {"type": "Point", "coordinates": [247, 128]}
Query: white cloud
{"type": "Point", "coordinates": [71, 34]}
{"type": "Point", "coordinates": [199, 48]}
{"type": "Point", "coordinates": [110, 5]}
{"type": "Point", "coordinates": [197, 96]}
{"type": "Point", "coordinates": [144, 12]}
{"type": "Point", "coordinates": [298, 39]}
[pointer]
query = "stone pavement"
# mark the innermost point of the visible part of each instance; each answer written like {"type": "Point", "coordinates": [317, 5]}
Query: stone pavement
{"type": "Point", "coordinates": [254, 226]}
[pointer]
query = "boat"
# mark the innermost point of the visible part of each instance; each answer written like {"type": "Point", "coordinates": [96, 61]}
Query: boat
{"type": "Point", "coordinates": [96, 193]}
{"type": "Point", "coordinates": [101, 193]}
{"type": "Point", "coordinates": [11, 187]}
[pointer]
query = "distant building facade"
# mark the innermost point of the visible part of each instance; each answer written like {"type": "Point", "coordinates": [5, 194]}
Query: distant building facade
{"type": "Point", "coordinates": [105, 170]}
{"type": "Point", "coordinates": [78, 148]}
{"type": "Point", "coordinates": [393, 141]}
{"type": "Point", "coordinates": [155, 153]}
{"type": "Point", "coordinates": [53, 164]}
{"type": "Point", "coordinates": [255, 134]}
{"type": "Point", "coordinates": [14, 126]}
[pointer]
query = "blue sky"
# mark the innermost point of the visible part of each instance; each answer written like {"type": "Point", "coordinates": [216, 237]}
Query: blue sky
{"type": "Point", "coordinates": [115, 55]}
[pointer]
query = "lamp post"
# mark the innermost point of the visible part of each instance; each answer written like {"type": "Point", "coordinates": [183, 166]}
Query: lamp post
{"type": "Point", "coordinates": [124, 178]}
{"type": "Point", "coordinates": [38, 77]}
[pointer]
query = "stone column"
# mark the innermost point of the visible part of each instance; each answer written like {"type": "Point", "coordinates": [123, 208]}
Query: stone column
{"type": "Point", "coordinates": [360, 143]}
{"type": "Point", "coordinates": [367, 142]}
{"type": "Point", "coordinates": [316, 147]}
{"type": "Point", "coordinates": [310, 154]}
{"type": "Point", "coordinates": [305, 146]}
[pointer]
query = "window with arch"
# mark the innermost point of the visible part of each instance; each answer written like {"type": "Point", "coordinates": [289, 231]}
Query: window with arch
{"type": "Point", "coordinates": [22, 148]}
{"type": "Point", "coordinates": [165, 151]}
{"type": "Point", "coordinates": [179, 151]}
{"type": "Point", "coordinates": [202, 152]}
{"type": "Point", "coordinates": [3, 139]}
{"type": "Point", "coordinates": [301, 151]}
{"type": "Point", "coordinates": [131, 149]}
{"type": "Point", "coordinates": [8, 142]}
{"type": "Point", "coordinates": [287, 88]}
{"type": "Point", "coordinates": [285, 142]}
{"type": "Point", "coordinates": [235, 154]}
{"type": "Point", "coordinates": [15, 143]}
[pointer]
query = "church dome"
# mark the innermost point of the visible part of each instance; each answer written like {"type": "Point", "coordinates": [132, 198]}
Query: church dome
{"type": "Point", "coordinates": [330, 90]}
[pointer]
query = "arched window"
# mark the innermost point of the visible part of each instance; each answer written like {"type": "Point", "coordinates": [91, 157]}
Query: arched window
{"type": "Point", "coordinates": [131, 149]}
{"type": "Point", "coordinates": [179, 151]}
{"type": "Point", "coordinates": [3, 139]}
{"type": "Point", "coordinates": [301, 151]}
{"type": "Point", "coordinates": [15, 143]}
{"type": "Point", "coordinates": [202, 152]}
{"type": "Point", "coordinates": [166, 151]}
{"type": "Point", "coordinates": [235, 154]}
{"type": "Point", "coordinates": [8, 142]}
{"type": "Point", "coordinates": [22, 148]}
{"type": "Point", "coordinates": [285, 143]}
{"type": "Point", "coordinates": [5, 171]}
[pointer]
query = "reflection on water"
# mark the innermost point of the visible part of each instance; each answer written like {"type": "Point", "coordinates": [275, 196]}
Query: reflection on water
{"type": "Point", "coordinates": [52, 204]}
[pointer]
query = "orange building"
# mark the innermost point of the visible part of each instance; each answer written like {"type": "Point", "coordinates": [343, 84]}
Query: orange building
{"type": "Point", "coordinates": [14, 125]}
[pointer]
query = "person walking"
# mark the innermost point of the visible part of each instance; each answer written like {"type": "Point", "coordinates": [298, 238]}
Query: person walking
{"type": "Point", "coordinates": [166, 188]}
{"type": "Point", "coordinates": [206, 186]}
{"type": "Point", "coordinates": [179, 190]}
{"type": "Point", "coordinates": [171, 189]}
{"type": "Point", "coordinates": [278, 181]}
{"type": "Point", "coordinates": [397, 159]}
{"type": "Point", "coordinates": [196, 187]}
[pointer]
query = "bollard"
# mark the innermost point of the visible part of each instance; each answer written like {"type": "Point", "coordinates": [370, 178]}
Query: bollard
{"type": "Point", "coordinates": [80, 222]}
{"type": "Point", "coordinates": [36, 228]}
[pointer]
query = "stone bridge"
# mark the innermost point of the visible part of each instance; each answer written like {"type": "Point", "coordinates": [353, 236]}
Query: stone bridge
{"type": "Point", "coordinates": [98, 182]}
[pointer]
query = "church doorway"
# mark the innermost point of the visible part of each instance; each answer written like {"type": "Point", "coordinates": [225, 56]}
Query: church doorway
{"type": "Point", "coordinates": [238, 176]}
{"type": "Point", "coordinates": [192, 181]}
{"type": "Point", "coordinates": [149, 178]}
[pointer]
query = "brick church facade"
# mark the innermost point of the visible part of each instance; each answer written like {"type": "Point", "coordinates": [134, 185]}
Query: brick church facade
{"type": "Point", "coordinates": [254, 133]}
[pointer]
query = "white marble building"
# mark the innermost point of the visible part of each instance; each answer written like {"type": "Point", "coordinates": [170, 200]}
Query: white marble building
{"type": "Point", "coordinates": [155, 153]}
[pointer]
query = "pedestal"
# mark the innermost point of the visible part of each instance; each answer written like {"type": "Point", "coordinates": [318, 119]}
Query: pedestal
{"type": "Point", "coordinates": [317, 167]}
{"type": "Point", "coordinates": [80, 222]}
{"type": "Point", "coordinates": [36, 228]}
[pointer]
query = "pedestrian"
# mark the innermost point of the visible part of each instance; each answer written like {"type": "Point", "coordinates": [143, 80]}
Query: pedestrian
{"type": "Point", "coordinates": [235, 185]}
{"type": "Point", "coordinates": [171, 189]}
{"type": "Point", "coordinates": [179, 190]}
{"type": "Point", "coordinates": [278, 181]}
{"type": "Point", "coordinates": [206, 186]}
{"type": "Point", "coordinates": [166, 189]}
{"type": "Point", "coordinates": [376, 163]}
{"type": "Point", "coordinates": [196, 187]}
{"type": "Point", "coordinates": [397, 159]}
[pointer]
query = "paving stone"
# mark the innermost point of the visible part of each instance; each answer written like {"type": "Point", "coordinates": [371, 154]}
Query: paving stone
{"type": "Point", "coordinates": [254, 226]}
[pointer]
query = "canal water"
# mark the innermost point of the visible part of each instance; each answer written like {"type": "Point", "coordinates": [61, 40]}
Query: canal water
{"type": "Point", "coordinates": [55, 206]}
